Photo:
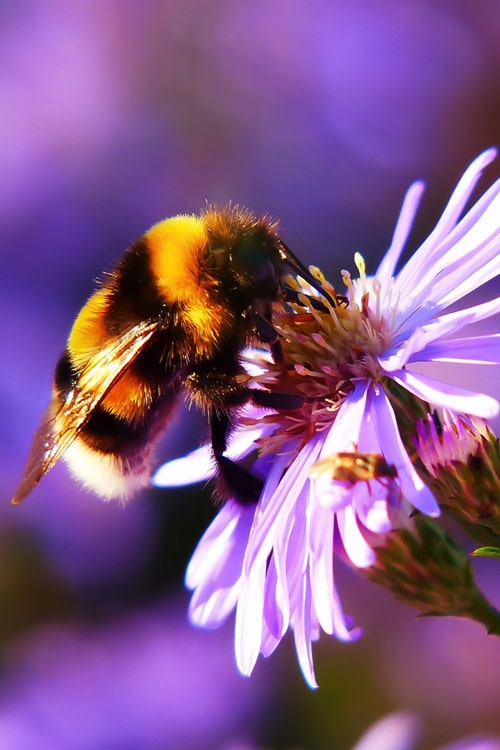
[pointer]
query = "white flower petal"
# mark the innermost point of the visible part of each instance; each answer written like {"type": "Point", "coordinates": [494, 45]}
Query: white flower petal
{"type": "Point", "coordinates": [447, 395]}
{"type": "Point", "coordinates": [281, 557]}
{"type": "Point", "coordinates": [249, 619]}
{"type": "Point", "coordinates": [375, 516]}
{"type": "Point", "coordinates": [418, 265]}
{"type": "Point", "coordinates": [215, 542]}
{"type": "Point", "coordinates": [269, 518]}
{"type": "Point", "coordinates": [321, 561]}
{"type": "Point", "coordinates": [302, 633]}
{"type": "Point", "coordinates": [397, 357]}
{"type": "Point", "coordinates": [450, 323]}
{"type": "Point", "coordinates": [344, 434]}
{"type": "Point", "coordinates": [332, 495]}
{"type": "Point", "coordinates": [215, 567]}
{"type": "Point", "coordinates": [480, 350]}
{"type": "Point", "coordinates": [255, 361]}
{"type": "Point", "coordinates": [412, 487]}
{"type": "Point", "coordinates": [242, 441]}
{"type": "Point", "coordinates": [473, 218]}
{"type": "Point", "coordinates": [467, 273]}
{"type": "Point", "coordinates": [402, 230]}
{"type": "Point", "coordinates": [197, 466]}
{"type": "Point", "coordinates": [468, 258]}
{"type": "Point", "coordinates": [210, 609]}
{"type": "Point", "coordinates": [343, 629]}
{"type": "Point", "coordinates": [294, 549]}
{"type": "Point", "coordinates": [251, 601]}
{"type": "Point", "coordinates": [276, 604]}
{"type": "Point", "coordinates": [357, 548]}
{"type": "Point", "coordinates": [269, 642]}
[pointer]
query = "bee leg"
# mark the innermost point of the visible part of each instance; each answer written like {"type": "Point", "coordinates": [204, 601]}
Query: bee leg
{"type": "Point", "coordinates": [265, 328]}
{"type": "Point", "coordinates": [276, 401]}
{"type": "Point", "coordinates": [269, 336]}
{"type": "Point", "coordinates": [234, 480]}
{"type": "Point", "coordinates": [217, 393]}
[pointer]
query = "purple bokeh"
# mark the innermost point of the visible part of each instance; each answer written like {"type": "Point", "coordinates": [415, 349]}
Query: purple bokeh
{"type": "Point", "coordinates": [143, 682]}
{"type": "Point", "coordinates": [115, 115]}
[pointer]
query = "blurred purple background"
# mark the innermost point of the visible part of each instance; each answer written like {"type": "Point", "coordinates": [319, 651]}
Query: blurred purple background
{"type": "Point", "coordinates": [112, 116]}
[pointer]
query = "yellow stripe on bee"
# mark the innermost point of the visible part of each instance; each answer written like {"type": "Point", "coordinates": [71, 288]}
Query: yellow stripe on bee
{"type": "Point", "coordinates": [129, 398]}
{"type": "Point", "coordinates": [177, 247]}
{"type": "Point", "coordinates": [180, 260]}
{"type": "Point", "coordinates": [89, 335]}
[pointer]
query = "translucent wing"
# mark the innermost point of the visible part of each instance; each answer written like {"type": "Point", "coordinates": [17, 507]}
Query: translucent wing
{"type": "Point", "coordinates": [61, 423]}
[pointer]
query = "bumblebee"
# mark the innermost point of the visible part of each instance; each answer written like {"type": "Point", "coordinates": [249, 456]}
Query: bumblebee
{"type": "Point", "coordinates": [172, 318]}
{"type": "Point", "coordinates": [352, 467]}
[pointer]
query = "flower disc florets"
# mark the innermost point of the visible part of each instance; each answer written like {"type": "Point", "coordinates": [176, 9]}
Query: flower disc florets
{"type": "Point", "coordinates": [325, 349]}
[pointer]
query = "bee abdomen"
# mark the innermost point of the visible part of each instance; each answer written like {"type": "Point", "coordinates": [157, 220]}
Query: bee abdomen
{"type": "Point", "coordinates": [112, 456]}
{"type": "Point", "coordinates": [108, 433]}
{"type": "Point", "coordinates": [109, 475]}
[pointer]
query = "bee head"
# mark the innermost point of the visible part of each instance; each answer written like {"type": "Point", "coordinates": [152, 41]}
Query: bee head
{"type": "Point", "coordinates": [245, 253]}
{"type": "Point", "coordinates": [255, 263]}
{"type": "Point", "coordinates": [250, 258]}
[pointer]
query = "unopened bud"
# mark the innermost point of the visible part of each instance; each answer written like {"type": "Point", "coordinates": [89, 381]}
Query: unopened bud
{"type": "Point", "coordinates": [462, 457]}
{"type": "Point", "coordinates": [425, 568]}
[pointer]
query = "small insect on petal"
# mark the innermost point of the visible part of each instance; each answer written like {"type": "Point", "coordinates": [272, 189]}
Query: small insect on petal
{"type": "Point", "coordinates": [354, 467]}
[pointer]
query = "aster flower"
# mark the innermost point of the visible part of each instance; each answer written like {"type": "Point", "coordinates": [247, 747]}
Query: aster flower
{"type": "Point", "coordinates": [353, 363]}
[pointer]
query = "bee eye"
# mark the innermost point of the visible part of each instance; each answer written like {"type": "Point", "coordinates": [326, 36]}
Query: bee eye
{"type": "Point", "coordinates": [253, 262]}
{"type": "Point", "coordinates": [264, 280]}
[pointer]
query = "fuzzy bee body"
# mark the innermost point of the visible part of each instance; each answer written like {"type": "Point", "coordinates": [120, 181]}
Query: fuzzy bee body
{"type": "Point", "coordinates": [172, 317]}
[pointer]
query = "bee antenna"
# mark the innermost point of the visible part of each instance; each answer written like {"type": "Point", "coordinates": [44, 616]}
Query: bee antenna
{"type": "Point", "coordinates": [300, 269]}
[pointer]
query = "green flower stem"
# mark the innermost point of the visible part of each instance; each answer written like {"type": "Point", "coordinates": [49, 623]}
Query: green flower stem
{"type": "Point", "coordinates": [483, 612]}
{"type": "Point", "coordinates": [427, 569]}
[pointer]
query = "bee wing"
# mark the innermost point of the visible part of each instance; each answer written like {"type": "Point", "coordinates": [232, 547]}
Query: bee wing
{"type": "Point", "coordinates": [61, 424]}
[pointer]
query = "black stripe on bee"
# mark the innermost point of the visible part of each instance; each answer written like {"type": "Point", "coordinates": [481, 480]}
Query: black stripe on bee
{"type": "Point", "coordinates": [134, 294]}
{"type": "Point", "coordinates": [66, 375]}
{"type": "Point", "coordinates": [108, 433]}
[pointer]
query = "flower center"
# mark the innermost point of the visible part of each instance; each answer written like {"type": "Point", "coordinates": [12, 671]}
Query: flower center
{"type": "Point", "coordinates": [323, 352]}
